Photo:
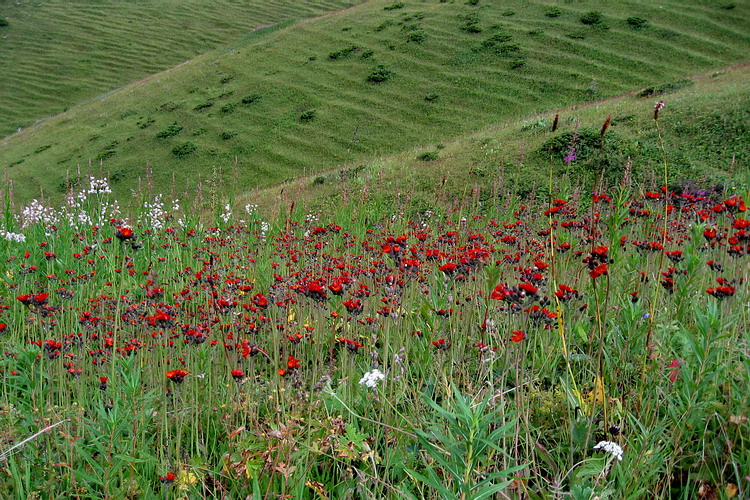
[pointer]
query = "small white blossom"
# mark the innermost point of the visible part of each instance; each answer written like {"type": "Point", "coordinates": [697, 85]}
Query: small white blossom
{"type": "Point", "coordinates": [613, 449]}
{"type": "Point", "coordinates": [371, 378]}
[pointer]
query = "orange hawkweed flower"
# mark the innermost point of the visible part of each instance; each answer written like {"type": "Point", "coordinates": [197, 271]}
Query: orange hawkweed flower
{"type": "Point", "coordinates": [177, 376]}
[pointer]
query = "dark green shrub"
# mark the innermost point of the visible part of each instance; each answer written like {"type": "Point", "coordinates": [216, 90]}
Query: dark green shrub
{"type": "Point", "coordinates": [517, 63]}
{"type": "Point", "coordinates": [319, 181]}
{"type": "Point", "coordinates": [145, 122]}
{"type": "Point", "coordinates": [729, 6]}
{"type": "Point", "coordinates": [182, 150]}
{"type": "Point", "coordinates": [592, 18]}
{"type": "Point", "coordinates": [380, 74]}
{"type": "Point", "coordinates": [415, 16]}
{"type": "Point", "coordinates": [431, 97]}
{"type": "Point", "coordinates": [203, 105]}
{"type": "Point", "coordinates": [383, 26]}
{"type": "Point", "coordinates": [170, 131]}
{"type": "Point", "coordinates": [228, 108]}
{"type": "Point", "coordinates": [225, 136]}
{"type": "Point", "coordinates": [226, 79]}
{"type": "Point", "coordinates": [665, 88]}
{"type": "Point", "coordinates": [4, 23]}
{"type": "Point", "coordinates": [509, 13]}
{"type": "Point", "coordinates": [428, 156]}
{"type": "Point", "coordinates": [307, 115]}
{"type": "Point", "coordinates": [472, 2]}
{"type": "Point", "coordinates": [637, 23]}
{"type": "Point", "coordinates": [394, 6]}
{"type": "Point", "coordinates": [366, 54]}
{"type": "Point", "coordinates": [169, 106]}
{"type": "Point", "coordinates": [553, 12]}
{"type": "Point", "coordinates": [577, 35]}
{"type": "Point", "coordinates": [107, 153]}
{"type": "Point", "coordinates": [249, 99]}
{"type": "Point", "coordinates": [416, 37]}
{"type": "Point", "coordinates": [341, 53]}
{"type": "Point", "coordinates": [42, 148]}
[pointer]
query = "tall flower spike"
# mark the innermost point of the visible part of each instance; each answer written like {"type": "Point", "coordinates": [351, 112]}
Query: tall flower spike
{"type": "Point", "coordinates": [657, 107]}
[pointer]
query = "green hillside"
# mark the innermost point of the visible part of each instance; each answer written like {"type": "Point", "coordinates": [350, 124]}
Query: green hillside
{"type": "Point", "coordinates": [56, 53]}
{"type": "Point", "coordinates": [378, 78]}
{"type": "Point", "coordinates": [705, 126]}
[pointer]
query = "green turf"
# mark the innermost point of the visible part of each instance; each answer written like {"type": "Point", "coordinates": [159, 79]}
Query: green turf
{"type": "Point", "coordinates": [447, 80]}
{"type": "Point", "coordinates": [705, 127]}
{"type": "Point", "coordinates": [56, 53]}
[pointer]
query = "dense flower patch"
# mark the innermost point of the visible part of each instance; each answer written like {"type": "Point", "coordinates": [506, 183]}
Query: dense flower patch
{"type": "Point", "coordinates": [238, 354]}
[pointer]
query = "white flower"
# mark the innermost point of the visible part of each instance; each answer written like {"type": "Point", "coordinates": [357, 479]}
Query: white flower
{"type": "Point", "coordinates": [371, 378]}
{"type": "Point", "coordinates": [613, 449]}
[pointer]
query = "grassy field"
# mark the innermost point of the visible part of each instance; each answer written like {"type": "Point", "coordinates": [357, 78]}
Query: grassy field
{"type": "Point", "coordinates": [58, 53]}
{"type": "Point", "coordinates": [589, 345]}
{"type": "Point", "coordinates": [705, 124]}
{"type": "Point", "coordinates": [379, 78]}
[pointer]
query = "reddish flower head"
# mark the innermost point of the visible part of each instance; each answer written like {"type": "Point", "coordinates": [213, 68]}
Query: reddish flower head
{"type": "Point", "coordinates": [177, 376]}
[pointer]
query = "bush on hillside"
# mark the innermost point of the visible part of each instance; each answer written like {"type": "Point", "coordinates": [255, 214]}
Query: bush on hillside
{"type": "Point", "coordinates": [592, 18]}
{"type": "Point", "coordinates": [380, 74]}
{"type": "Point", "coordinates": [341, 53]}
{"type": "Point", "coordinates": [637, 23]}
{"type": "Point", "coordinates": [170, 131]}
{"type": "Point", "coordinates": [182, 150]}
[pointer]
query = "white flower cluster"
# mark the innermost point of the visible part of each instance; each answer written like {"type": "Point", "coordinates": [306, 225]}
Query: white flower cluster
{"type": "Point", "coordinates": [15, 237]}
{"type": "Point", "coordinates": [154, 213]}
{"type": "Point", "coordinates": [35, 213]}
{"type": "Point", "coordinates": [311, 218]}
{"type": "Point", "coordinates": [98, 186]}
{"type": "Point", "coordinates": [250, 208]}
{"type": "Point", "coordinates": [371, 378]}
{"type": "Point", "coordinates": [613, 449]}
{"type": "Point", "coordinates": [227, 213]}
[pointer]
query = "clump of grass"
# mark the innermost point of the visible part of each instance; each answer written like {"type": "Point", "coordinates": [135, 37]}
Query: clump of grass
{"type": "Point", "coordinates": [395, 6]}
{"type": "Point", "coordinates": [553, 12]}
{"type": "Point", "coordinates": [666, 88]}
{"type": "Point", "coordinates": [428, 156]}
{"type": "Point", "coordinates": [637, 23]}
{"type": "Point", "coordinates": [380, 74]}
{"type": "Point", "coordinates": [170, 131]}
{"type": "Point", "coordinates": [184, 149]}
{"type": "Point", "coordinates": [308, 115]}
{"type": "Point", "coordinates": [342, 53]}
{"type": "Point", "coordinates": [251, 99]}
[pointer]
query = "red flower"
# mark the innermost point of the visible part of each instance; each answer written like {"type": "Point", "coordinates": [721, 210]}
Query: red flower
{"type": "Point", "coordinates": [238, 375]}
{"type": "Point", "coordinates": [177, 376]}
{"type": "Point", "coordinates": [103, 383]}
{"type": "Point", "coordinates": [168, 479]}
{"type": "Point", "coordinates": [598, 271]}
{"type": "Point", "coordinates": [518, 336]}
{"type": "Point", "coordinates": [441, 344]}
{"type": "Point", "coordinates": [124, 233]}
{"type": "Point", "coordinates": [24, 299]}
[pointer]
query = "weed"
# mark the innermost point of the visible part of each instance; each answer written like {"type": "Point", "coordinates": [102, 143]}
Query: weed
{"type": "Point", "coordinates": [394, 6]}
{"type": "Point", "coordinates": [380, 74]}
{"type": "Point", "coordinates": [307, 115]}
{"type": "Point", "coordinates": [428, 156]}
{"type": "Point", "coordinates": [184, 149]}
{"type": "Point", "coordinates": [170, 131]}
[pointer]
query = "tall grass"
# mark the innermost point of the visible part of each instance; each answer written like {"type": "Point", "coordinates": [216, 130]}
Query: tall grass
{"type": "Point", "coordinates": [591, 345]}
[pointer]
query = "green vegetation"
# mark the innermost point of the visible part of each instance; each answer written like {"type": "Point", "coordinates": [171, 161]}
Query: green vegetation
{"type": "Point", "coordinates": [58, 53]}
{"type": "Point", "coordinates": [367, 107]}
{"type": "Point", "coordinates": [705, 122]}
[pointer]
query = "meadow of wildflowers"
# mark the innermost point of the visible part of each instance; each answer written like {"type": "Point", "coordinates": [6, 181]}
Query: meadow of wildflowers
{"type": "Point", "coordinates": [589, 345]}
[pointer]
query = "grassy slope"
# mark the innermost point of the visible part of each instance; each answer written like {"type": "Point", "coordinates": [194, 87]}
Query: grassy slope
{"type": "Point", "coordinates": [705, 126]}
{"type": "Point", "coordinates": [565, 62]}
{"type": "Point", "coordinates": [56, 53]}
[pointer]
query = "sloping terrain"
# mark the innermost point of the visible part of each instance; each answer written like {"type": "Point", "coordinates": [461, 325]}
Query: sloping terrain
{"type": "Point", "coordinates": [57, 53]}
{"type": "Point", "coordinates": [705, 126]}
{"type": "Point", "coordinates": [379, 78]}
